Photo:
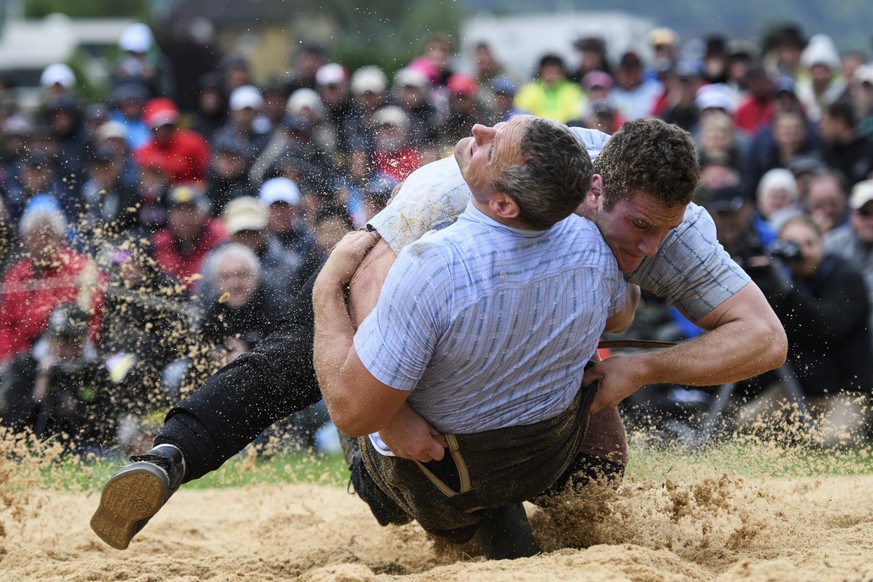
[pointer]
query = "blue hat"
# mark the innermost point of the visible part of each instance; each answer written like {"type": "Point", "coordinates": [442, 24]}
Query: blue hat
{"type": "Point", "coordinates": [504, 85]}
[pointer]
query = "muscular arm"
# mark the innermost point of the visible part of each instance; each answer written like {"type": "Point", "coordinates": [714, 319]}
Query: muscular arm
{"type": "Point", "coordinates": [744, 339]}
{"type": "Point", "coordinates": [358, 403]}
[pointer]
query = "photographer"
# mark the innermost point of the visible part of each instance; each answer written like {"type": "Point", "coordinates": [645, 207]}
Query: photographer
{"type": "Point", "coordinates": [822, 302]}
{"type": "Point", "coordinates": [59, 389]}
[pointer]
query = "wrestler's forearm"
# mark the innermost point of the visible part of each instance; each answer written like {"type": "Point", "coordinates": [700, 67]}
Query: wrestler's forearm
{"type": "Point", "coordinates": [334, 334]}
{"type": "Point", "coordinates": [744, 339]}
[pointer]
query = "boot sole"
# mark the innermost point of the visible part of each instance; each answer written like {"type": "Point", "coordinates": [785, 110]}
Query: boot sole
{"type": "Point", "coordinates": [130, 498]}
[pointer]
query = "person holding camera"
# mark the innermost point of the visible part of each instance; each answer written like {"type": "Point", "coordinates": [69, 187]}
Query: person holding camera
{"type": "Point", "coordinates": [823, 303]}
{"type": "Point", "coordinates": [60, 388]}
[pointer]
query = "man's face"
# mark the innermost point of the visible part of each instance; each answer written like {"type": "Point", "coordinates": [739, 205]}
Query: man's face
{"type": "Point", "coordinates": [811, 248]}
{"type": "Point", "coordinates": [826, 198]}
{"type": "Point", "coordinates": [635, 227]}
{"type": "Point", "coordinates": [235, 277]}
{"type": "Point", "coordinates": [483, 156]}
{"type": "Point", "coordinates": [862, 222]}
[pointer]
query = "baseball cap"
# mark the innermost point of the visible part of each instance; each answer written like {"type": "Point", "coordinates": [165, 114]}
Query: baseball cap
{"type": "Point", "coordinates": [411, 77]}
{"type": "Point", "coordinates": [462, 84]}
{"type": "Point", "coordinates": [245, 213]}
{"type": "Point", "coordinates": [715, 96]}
{"type": "Point", "coordinates": [369, 79]}
{"type": "Point", "coordinates": [111, 129]}
{"type": "Point", "coordinates": [863, 74]}
{"type": "Point", "coordinates": [136, 38]}
{"type": "Point", "coordinates": [784, 84]}
{"type": "Point", "coordinates": [390, 115]}
{"type": "Point", "coordinates": [726, 199]}
{"type": "Point", "coordinates": [862, 193]}
{"type": "Point", "coordinates": [280, 190]}
{"type": "Point", "coordinates": [246, 96]}
{"type": "Point", "coordinates": [597, 79]}
{"type": "Point", "coordinates": [503, 86]}
{"type": "Point", "coordinates": [57, 74]}
{"type": "Point", "coordinates": [662, 37]}
{"type": "Point", "coordinates": [185, 194]}
{"type": "Point", "coordinates": [330, 74]}
{"type": "Point", "coordinates": [160, 111]}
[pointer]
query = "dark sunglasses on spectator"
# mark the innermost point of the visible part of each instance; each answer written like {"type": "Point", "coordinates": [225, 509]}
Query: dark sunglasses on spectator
{"type": "Point", "coordinates": [865, 212]}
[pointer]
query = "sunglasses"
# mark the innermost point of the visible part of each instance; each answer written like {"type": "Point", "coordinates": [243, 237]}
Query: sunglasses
{"type": "Point", "coordinates": [865, 212]}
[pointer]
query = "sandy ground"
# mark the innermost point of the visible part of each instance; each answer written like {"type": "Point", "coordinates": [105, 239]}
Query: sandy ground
{"type": "Point", "coordinates": [726, 528]}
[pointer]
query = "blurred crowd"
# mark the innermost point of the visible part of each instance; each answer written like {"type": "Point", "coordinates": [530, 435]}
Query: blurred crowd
{"type": "Point", "coordinates": [145, 246]}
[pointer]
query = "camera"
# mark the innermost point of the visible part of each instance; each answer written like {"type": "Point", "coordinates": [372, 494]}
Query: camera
{"type": "Point", "coordinates": [785, 250]}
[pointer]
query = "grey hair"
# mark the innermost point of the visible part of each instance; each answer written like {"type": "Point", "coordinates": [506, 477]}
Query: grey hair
{"type": "Point", "coordinates": [234, 250]}
{"type": "Point", "coordinates": [551, 179]}
{"type": "Point", "coordinates": [41, 216]}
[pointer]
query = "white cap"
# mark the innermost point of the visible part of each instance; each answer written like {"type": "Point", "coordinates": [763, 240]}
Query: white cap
{"type": "Point", "coordinates": [862, 193]}
{"type": "Point", "coordinates": [330, 74]}
{"type": "Point", "coordinates": [280, 190]}
{"type": "Point", "coordinates": [820, 50]}
{"type": "Point", "coordinates": [391, 115]}
{"type": "Point", "coordinates": [245, 213]}
{"type": "Point", "coordinates": [111, 129]}
{"type": "Point", "coordinates": [863, 74]}
{"type": "Point", "coordinates": [246, 96]}
{"type": "Point", "coordinates": [715, 96]}
{"type": "Point", "coordinates": [410, 77]}
{"type": "Point", "coordinates": [369, 79]}
{"type": "Point", "coordinates": [136, 38]}
{"type": "Point", "coordinates": [305, 98]}
{"type": "Point", "coordinates": [57, 74]}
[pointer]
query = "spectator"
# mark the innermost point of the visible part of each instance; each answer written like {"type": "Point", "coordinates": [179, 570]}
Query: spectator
{"type": "Point", "coordinates": [465, 110]}
{"type": "Point", "coordinates": [245, 220]}
{"type": "Point", "coordinates": [790, 139]}
{"type": "Point", "coordinates": [282, 198]}
{"type": "Point", "coordinates": [551, 94]}
{"type": "Point", "coordinates": [110, 204]}
{"type": "Point", "coordinates": [827, 202]}
{"type": "Point", "coordinates": [181, 247]}
{"type": "Point", "coordinates": [680, 107]}
{"type": "Point", "coordinates": [503, 91]}
{"type": "Point", "coordinates": [50, 273]}
{"type": "Point", "coordinates": [307, 61]}
{"type": "Point", "coordinates": [755, 110]}
{"type": "Point", "coordinates": [854, 243]}
{"type": "Point", "coordinates": [592, 57]}
{"type": "Point", "coordinates": [141, 63]}
{"type": "Point", "coordinates": [845, 149]}
{"type": "Point", "coordinates": [343, 118]}
{"type": "Point", "coordinates": [128, 102]}
{"type": "Point", "coordinates": [228, 172]}
{"type": "Point", "coordinates": [393, 154]}
{"type": "Point", "coordinates": [777, 197]}
{"type": "Point", "coordinates": [634, 95]}
{"type": "Point", "coordinates": [823, 302]}
{"type": "Point", "coordinates": [57, 82]}
{"type": "Point", "coordinates": [59, 389]}
{"type": "Point", "coordinates": [737, 231]}
{"type": "Point", "coordinates": [862, 98]}
{"type": "Point", "coordinates": [411, 91]}
{"type": "Point", "coordinates": [182, 153]}
{"type": "Point", "coordinates": [211, 111]}
{"type": "Point", "coordinates": [369, 91]}
{"type": "Point", "coordinates": [145, 325]}
{"type": "Point", "coordinates": [36, 175]}
{"type": "Point", "coordinates": [823, 84]}
{"type": "Point", "coordinates": [247, 124]}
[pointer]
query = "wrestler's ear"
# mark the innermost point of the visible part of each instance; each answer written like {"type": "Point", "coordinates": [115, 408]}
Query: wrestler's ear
{"type": "Point", "coordinates": [593, 197]}
{"type": "Point", "coordinates": [504, 206]}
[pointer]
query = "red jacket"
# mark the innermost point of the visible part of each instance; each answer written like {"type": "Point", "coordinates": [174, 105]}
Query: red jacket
{"type": "Point", "coordinates": [181, 262]}
{"type": "Point", "coordinates": [184, 159]}
{"type": "Point", "coordinates": [752, 115]}
{"type": "Point", "coordinates": [31, 293]}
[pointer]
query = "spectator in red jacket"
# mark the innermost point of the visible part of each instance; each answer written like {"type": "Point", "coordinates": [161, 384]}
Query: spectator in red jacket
{"type": "Point", "coordinates": [191, 233]}
{"type": "Point", "coordinates": [50, 274]}
{"type": "Point", "coordinates": [182, 153]}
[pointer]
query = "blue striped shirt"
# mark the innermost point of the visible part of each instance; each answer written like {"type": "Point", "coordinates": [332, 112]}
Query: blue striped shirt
{"type": "Point", "coordinates": [491, 326]}
{"type": "Point", "coordinates": [691, 269]}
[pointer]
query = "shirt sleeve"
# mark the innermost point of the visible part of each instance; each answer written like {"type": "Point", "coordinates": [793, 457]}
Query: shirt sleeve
{"type": "Point", "coordinates": [397, 340]}
{"type": "Point", "coordinates": [691, 270]}
{"type": "Point", "coordinates": [431, 198]}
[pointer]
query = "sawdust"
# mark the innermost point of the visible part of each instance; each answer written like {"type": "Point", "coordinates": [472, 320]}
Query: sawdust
{"type": "Point", "coordinates": [663, 523]}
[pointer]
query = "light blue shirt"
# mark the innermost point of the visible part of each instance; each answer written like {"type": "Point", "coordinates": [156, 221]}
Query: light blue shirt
{"type": "Point", "coordinates": [691, 269]}
{"type": "Point", "coordinates": [491, 326]}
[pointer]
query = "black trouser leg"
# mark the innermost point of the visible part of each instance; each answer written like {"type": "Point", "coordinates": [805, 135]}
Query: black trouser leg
{"type": "Point", "coordinates": [242, 399]}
